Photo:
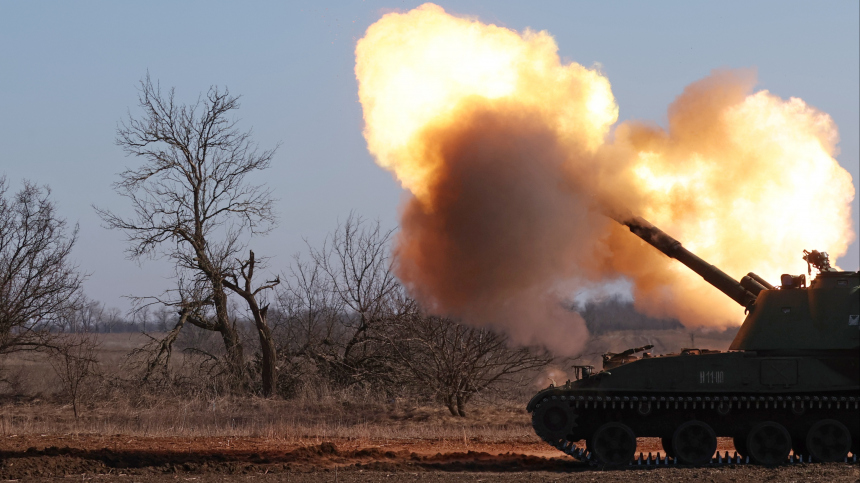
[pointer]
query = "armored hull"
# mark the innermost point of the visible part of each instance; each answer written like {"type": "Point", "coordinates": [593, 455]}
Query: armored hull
{"type": "Point", "coordinates": [790, 381]}
{"type": "Point", "coordinates": [726, 394]}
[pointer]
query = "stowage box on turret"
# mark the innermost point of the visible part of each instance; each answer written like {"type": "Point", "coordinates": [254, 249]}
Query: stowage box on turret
{"type": "Point", "coordinates": [790, 380]}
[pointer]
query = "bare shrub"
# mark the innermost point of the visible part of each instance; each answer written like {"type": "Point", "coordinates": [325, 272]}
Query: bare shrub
{"type": "Point", "coordinates": [336, 307]}
{"type": "Point", "coordinates": [305, 323]}
{"type": "Point", "coordinates": [345, 320]}
{"type": "Point", "coordinates": [12, 379]}
{"type": "Point", "coordinates": [455, 362]}
{"type": "Point", "coordinates": [75, 363]}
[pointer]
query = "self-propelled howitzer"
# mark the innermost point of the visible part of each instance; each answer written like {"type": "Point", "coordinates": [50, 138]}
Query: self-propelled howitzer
{"type": "Point", "coordinates": [790, 381]}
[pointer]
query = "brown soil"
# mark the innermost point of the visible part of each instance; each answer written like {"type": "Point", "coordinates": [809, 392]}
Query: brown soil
{"type": "Point", "coordinates": [220, 458]}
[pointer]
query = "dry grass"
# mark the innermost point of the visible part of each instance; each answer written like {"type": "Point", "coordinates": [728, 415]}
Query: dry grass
{"type": "Point", "coordinates": [300, 419]}
{"type": "Point", "coordinates": [31, 375]}
{"type": "Point", "coordinates": [32, 406]}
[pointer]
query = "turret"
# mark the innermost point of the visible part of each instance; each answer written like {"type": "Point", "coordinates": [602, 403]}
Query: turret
{"type": "Point", "coordinates": [823, 315]}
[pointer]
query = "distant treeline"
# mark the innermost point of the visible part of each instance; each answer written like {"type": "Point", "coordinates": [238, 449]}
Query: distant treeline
{"type": "Point", "coordinates": [614, 313]}
{"type": "Point", "coordinates": [601, 316]}
{"type": "Point", "coordinates": [92, 316]}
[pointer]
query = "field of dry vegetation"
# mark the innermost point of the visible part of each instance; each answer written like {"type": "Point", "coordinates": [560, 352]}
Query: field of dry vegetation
{"type": "Point", "coordinates": [35, 401]}
{"type": "Point", "coordinates": [354, 434]}
{"type": "Point", "coordinates": [113, 400]}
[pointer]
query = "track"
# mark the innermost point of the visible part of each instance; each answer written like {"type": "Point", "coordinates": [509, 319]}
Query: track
{"type": "Point", "coordinates": [564, 416]}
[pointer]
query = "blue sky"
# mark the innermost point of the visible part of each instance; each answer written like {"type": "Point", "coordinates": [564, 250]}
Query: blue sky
{"type": "Point", "coordinates": [68, 72]}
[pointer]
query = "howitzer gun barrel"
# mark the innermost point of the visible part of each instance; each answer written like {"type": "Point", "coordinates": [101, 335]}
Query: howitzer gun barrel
{"type": "Point", "coordinates": [743, 292]}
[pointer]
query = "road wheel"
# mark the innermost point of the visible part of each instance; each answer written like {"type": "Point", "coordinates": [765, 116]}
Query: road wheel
{"type": "Point", "coordinates": [694, 442]}
{"type": "Point", "coordinates": [828, 440]}
{"type": "Point", "coordinates": [614, 444]}
{"type": "Point", "coordinates": [554, 421]}
{"type": "Point", "coordinates": [768, 443]}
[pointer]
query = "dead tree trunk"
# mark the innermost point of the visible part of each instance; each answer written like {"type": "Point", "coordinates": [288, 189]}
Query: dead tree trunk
{"type": "Point", "coordinates": [234, 352]}
{"type": "Point", "coordinates": [268, 371]}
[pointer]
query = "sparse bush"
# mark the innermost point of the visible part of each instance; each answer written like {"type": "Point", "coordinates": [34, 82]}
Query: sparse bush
{"type": "Point", "coordinates": [75, 362]}
{"type": "Point", "coordinates": [335, 309]}
{"type": "Point", "coordinates": [453, 362]}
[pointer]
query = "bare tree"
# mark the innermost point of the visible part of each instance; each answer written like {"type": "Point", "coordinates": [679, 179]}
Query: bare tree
{"type": "Point", "coordinates": [85, 317]}
{"type": "Point", "coordinates": [91, 316]}
{"type": "Point", "coordinates": [163, 318]}
{"type": "Point", "coordinates": [191, 200]}
{"type": "Point", "coordinates": [111, 318]}
{"type": "Point", "coordinates": [455, 362]}
{"type": "Point", "coordinates": [38, 282]}
{"type": "Point", "coordinates": [140, 317]}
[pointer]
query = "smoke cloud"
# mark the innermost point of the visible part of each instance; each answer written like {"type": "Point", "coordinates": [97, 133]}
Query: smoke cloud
{"type": "Point", "coordinates": [505, 230]}
{"type": "Point", "coordinates": [508, 157]}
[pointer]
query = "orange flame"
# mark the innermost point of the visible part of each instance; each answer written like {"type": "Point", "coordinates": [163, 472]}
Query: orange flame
{"type": "Point", "coordinates": [505, 150]}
